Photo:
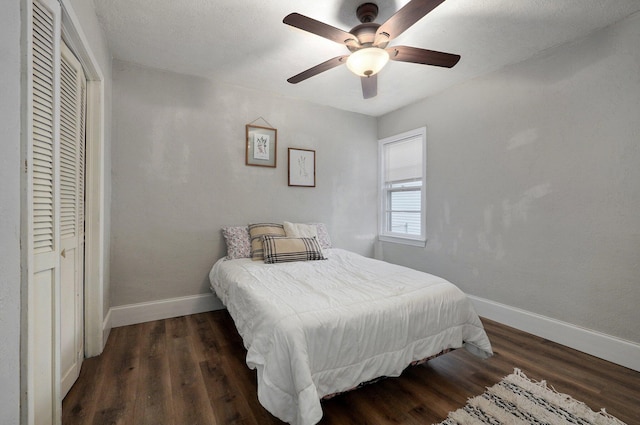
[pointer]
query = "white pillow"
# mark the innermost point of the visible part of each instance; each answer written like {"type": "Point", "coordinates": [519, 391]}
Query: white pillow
{"type": "Point", "coordinates": [300, 230]}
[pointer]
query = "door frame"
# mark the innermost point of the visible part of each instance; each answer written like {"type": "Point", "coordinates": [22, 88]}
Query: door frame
{"type": "Point", "coordinates": [95, 330]}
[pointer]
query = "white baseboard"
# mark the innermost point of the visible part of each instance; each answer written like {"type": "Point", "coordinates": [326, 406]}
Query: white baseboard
{"type": "Point", "coordinates": [132, 314]}
{"type": "Point", "coordinates": [607, 347]}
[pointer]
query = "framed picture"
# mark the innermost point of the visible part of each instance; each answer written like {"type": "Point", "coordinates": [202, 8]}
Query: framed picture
{"type": "Point", "coordinates": [262, 143]}
{"type": "Point", "coordinates": [302, 167]}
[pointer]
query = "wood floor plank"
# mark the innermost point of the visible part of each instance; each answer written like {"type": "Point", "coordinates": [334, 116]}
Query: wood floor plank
{"type": "Point", "coordinates": [153, 401]}
{"type": "Point", "coordinates": [245, 381]}
{"type": "Point", "coordinates": [191, 404]}
{"type": "Point", "coordinates": [79, 405]}
{"type": "Point", "coordinates": [192, 370]}
{"type": "Point", "coordinates": [205, 338]}
{"type": "Point", "coordinates": [116, 394]}
{"type": "Point", "coordinates": [228, 404]}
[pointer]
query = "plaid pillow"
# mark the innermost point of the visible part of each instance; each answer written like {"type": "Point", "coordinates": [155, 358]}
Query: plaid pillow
{"type": "Point", "coordinates": [281, 250]}
{"type": "Point", "coordinates": [257, 231]}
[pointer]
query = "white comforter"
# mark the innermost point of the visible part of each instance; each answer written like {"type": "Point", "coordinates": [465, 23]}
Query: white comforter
{"type": "Point", "coordinates": [319, 327]}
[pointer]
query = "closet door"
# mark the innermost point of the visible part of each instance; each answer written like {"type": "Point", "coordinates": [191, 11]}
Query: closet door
{"type": "Point", "coordinates": [72, 148]}
{"type": "Point", "coordinates": [42, 232]}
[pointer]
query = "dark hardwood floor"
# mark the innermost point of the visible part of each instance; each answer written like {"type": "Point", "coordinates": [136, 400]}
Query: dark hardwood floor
{"type": "Point", "coordinates": [191, 370]}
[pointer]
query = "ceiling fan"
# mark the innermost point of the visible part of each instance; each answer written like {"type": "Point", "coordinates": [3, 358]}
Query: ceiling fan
{"type": "Point", "coordinates": [368, 43]}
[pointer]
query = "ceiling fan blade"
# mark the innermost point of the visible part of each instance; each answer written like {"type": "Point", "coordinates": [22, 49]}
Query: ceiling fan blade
{"type": "Point", "coordinates": [422, 56]}
{"type": "Point", "coordinates": [324, 66]}
{"type": "Point", "coordinates": [411, 13]}
{"type": "Point", "coordinates": [369, 86]}
{"type": "Point", "coordinates": [320, 28]}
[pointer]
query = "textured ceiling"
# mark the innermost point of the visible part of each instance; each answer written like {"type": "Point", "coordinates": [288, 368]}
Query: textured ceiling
{"type": "Point", "coordinates": [245, 43]}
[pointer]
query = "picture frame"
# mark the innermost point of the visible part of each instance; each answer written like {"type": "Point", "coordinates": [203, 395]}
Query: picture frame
{"type": "Point", "coordinates": [302, 167]}
{"type": "Point", "coordinates": [261, 146]}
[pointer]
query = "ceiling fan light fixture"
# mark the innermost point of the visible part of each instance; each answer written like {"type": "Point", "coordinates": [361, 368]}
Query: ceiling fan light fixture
{"type": "Point", "coordinates": [368, 61]}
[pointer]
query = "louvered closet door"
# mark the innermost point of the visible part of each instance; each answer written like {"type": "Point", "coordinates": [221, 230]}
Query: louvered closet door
{"type": "Point", "coordinates": [72, 148]}
{"type": "Point", "coordinates": [43, 371]}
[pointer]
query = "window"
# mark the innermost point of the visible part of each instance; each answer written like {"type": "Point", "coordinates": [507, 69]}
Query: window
{"type": "Point", "coordinates": [402, 187]}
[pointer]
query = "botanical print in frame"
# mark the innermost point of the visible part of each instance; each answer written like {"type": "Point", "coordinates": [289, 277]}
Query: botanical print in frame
{"type": "Point", "coordinates": [302, 167]}
{"type": "Point", "coordinates": [261, 146]}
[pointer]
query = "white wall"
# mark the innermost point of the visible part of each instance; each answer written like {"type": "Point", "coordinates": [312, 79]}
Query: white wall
{"type": "Point", "coordinates": [10, 213]}
{"type": "Point", "coordinates": [534, 183]}
{"type": "Point", "coordinates": [179, 174]}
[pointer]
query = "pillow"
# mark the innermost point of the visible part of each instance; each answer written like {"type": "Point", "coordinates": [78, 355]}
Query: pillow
{"type": "Point", "coordinates": [257, 231]}
{"type": "Point", "coordinates": [238, 241]}
{"type": "Point", "coordinates": [323, 235]}
{"type": "Point", "coordinates": [300, 230]}
{"type": "Point", "coordinates": [283, 249]}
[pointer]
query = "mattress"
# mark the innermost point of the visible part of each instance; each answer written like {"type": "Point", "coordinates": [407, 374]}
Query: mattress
{"type": "Point", "coordinates": [316, 328]}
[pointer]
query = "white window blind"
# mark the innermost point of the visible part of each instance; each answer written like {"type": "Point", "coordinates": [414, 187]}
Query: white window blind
{"type": "Point", "coordinates": [402, 160]}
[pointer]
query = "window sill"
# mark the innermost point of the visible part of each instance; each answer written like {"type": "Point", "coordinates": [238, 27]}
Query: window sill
{"type": "Point", "coordinates": [404, 241]}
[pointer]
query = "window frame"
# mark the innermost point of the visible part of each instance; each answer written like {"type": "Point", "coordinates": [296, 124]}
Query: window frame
{"type": "Point", "coordinates": [384, 192]}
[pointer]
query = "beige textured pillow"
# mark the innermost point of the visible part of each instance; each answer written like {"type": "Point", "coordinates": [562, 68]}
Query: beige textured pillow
{"type": "Point", "coordinates": [300, 230]}
{"type": "Point", "coordinates": [257, 231]}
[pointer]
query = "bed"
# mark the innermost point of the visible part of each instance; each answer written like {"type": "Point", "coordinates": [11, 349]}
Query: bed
{"type": "Point", "coordinates": [316, 328]}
